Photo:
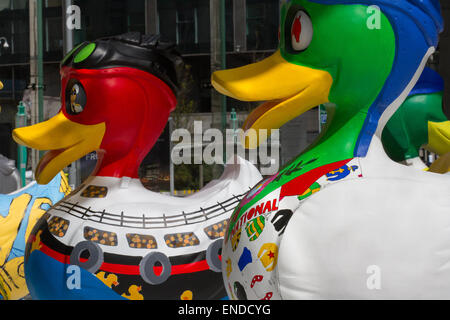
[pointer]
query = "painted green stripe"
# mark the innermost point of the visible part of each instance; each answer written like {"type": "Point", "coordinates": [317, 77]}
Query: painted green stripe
{"type": "Point", "coordinates": [85, 53]}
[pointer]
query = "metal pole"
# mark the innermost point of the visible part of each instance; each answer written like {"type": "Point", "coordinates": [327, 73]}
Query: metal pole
{"type": "Point", "coordinates": [223, 57]}
{"type": "Point", "coordinates": [171, 166]}
{"type": "Point", "coordinates": [21, 121]}
{"type": "Point", "coordinates": [151, 17]}
{"type": "Point", "coordinates": [40, 61]}
{"type": "Point", "coordinates": [33, 76]}
{"type": "Point", "coordinates": [67, 33]}
{"type": "Point", "coordinates": [234, 123]}
{"type": "Point", "coordinates": [322, 113]}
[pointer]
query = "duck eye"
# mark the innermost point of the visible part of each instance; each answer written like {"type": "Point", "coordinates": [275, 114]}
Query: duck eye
{"type": "Point", "coordinates": [75, 97]}
{"type": "Point", "coordinates": [301, 31]}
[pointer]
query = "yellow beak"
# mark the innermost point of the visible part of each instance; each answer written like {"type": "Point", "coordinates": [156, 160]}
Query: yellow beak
{"type": "Point", "coordinates": [67, 141]}
{"type": "Point", "coordinates": [439, 137]}
{"type": "Point", "coordinates": [289, 89]}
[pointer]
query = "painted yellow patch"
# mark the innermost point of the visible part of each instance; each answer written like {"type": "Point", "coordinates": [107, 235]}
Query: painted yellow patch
{"type": "Point", "coordinates": [9, 225]}
{"type": "Point", "coordinates": [134, 293]}
{"type": "Point", "coordinates": [187, 295]}
{"type": "Point", "coordinates": [110, 280]}
{"type": "Point", "coordinates": [268, 255]}
{"type": "Point", "coordinates": [229, 268]}
{"type": "Point", "coordinates": [12, 280]}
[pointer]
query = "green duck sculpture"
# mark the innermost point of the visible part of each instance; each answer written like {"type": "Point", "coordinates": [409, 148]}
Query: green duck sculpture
{"type": "Point", "coordinates": [342, 220]}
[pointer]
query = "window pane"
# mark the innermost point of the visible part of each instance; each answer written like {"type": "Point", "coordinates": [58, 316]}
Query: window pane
{"type": "Point", "coordinates": [53, 3]}
{"type": "Point", "coordinates": [53, 34]}
{"type": "Point", "coordinates": [19, 4]}
{"type": "Point", "coordinates": [262, 24]}
{"type": "Point", "coordinates": [14, 36]}
{"type": "Point", "coordinates": [102, 18]}
{"type": "Point", "coordinates": [185, 23]}
{"type": "Point", "coordinates": [5, 4]}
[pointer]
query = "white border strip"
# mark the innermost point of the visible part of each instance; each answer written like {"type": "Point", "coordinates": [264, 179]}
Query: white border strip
{"type": "Point", "coordinates": [393, 107]}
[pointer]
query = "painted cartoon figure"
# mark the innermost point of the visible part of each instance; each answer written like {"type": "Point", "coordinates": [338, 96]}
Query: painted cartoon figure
{"type": "Point", "coordinates": [19, 212]}
{"type": "Point", "coordinates": [366, 210]}
{"type": "Point", "coordinates": [118, 239]}
{"type": "Point", "coordinates": [341, 173]}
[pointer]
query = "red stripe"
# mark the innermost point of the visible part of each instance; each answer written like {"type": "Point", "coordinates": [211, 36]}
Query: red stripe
{"type": "Point", "coordinates": [300, 184]}
{"type": "Point", "coordinates": [129, 269]}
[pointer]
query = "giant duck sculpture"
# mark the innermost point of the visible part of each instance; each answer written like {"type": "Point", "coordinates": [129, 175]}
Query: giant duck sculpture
{"type": "Point", "coordinates": [111, 238]}
{"type": "Point", "coordinates": [342, 220]}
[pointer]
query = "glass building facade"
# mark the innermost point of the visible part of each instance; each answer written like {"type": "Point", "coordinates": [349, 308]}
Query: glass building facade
{"type": "Point", "coordinates": [251, 28]}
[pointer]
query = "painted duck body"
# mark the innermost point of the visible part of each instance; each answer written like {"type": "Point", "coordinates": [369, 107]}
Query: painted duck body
{"type": "Point", "coordinates": [336, 226]}
{"type": "Point", "coordinates": [184, 235]}
{"type": "Point", "coordinates": [111, 238]}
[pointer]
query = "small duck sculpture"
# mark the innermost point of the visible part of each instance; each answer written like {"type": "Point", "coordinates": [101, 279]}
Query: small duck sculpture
{"type": "Point", "coordinates": [9, 175]}
{"type": "Point", "coordinates": [342, 220]}
{"type": "Point", "coordinates": [117, 95]}
{"type": "Point", "coordinates": [419, 122]}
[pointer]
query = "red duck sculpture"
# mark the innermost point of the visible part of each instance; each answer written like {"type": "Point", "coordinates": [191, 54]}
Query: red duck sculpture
{"type": "Point", "coordinates": [114, 237]}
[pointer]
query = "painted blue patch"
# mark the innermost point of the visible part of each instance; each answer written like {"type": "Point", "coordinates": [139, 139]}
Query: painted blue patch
{"type": "Point", "coordinates": [50, 191]}
{"type": "Point", "coordinates": [340, 173]}
{"type": "Point", "coordinates": [430, 82]}
{"type": "Point", "coordinates": [245, 259]}
{"type": "Point", "coordinates": [47, 280]}
{"type": "Point", "coordinates": [417, 24]}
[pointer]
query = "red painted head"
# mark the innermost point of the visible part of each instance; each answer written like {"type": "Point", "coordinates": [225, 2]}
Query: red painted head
{"type": "Point", "coordinates": [117, 95]}
{"type": "Point", "coordinates": [133, 104]}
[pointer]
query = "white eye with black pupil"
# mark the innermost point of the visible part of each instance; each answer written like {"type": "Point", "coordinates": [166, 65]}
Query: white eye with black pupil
{"type": "Point", "coordinates": [75, 98]}
{"type": "Point", "coordinates": [301, 31]}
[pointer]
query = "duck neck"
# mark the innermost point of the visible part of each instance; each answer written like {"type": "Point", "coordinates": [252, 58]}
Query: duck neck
{"type": "Point", "coordinates": [119, 163]}
{"type": "Point", "coordinates": [127, 166]}
{"type": "Point", "coordinates": [339, 138]}
{"type": "Point", "coordinates": [337, 141]}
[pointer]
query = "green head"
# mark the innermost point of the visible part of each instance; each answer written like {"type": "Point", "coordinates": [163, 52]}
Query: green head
{"type": "Point", "coordinates": [346, 43]}
{"type": "Point", "coordinates": [327, 53]}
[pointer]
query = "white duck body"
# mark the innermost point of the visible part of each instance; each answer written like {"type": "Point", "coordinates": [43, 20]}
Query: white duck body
{"type": "Point", "coordinates": [383, 232]}
{"type": "Point", "coordinates": [129, 231]}
{"type": "Point", "coordinates": [163, 214]}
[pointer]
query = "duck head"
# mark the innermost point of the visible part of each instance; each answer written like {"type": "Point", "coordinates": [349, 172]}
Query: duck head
{"type": "Point", "coordinates": [117, 94]}
{"type": "Point", "coordinates": [360, 59]}
{"type": "Point", "coordinates": [419, 122]}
